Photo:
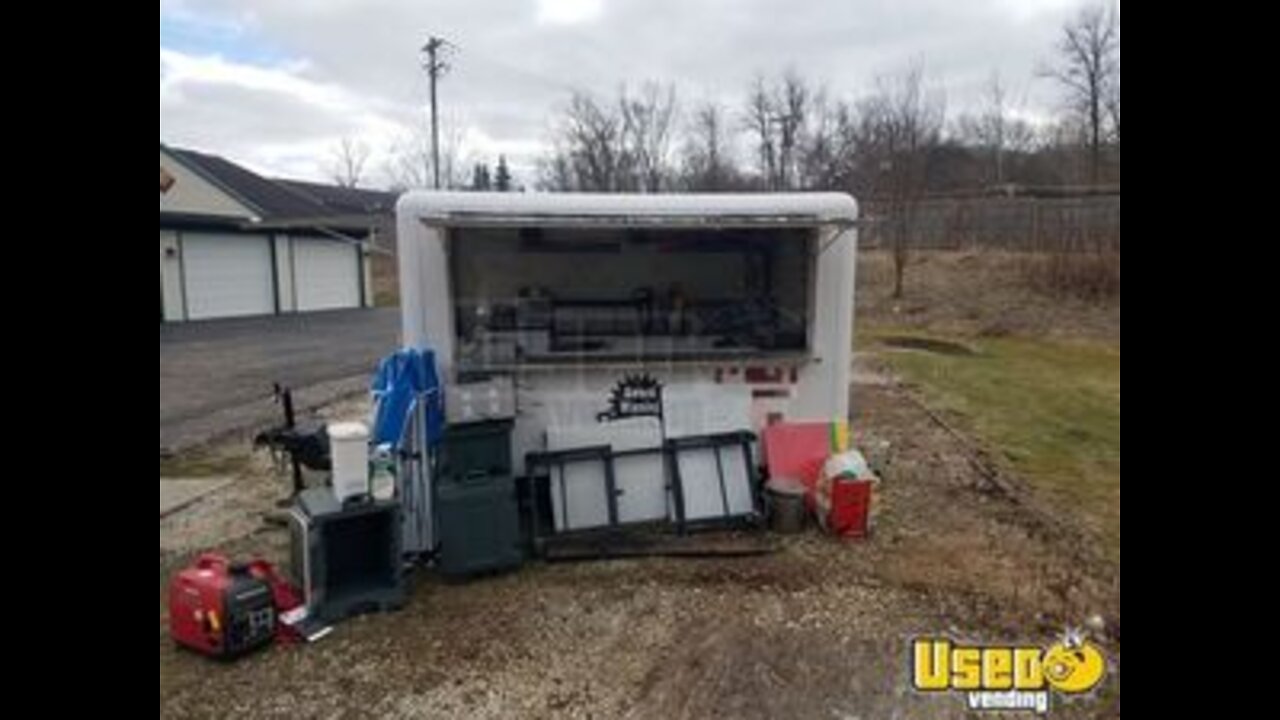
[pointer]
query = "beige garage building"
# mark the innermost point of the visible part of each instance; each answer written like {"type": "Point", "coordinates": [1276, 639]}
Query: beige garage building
{"type": "Point", "coordinates": [234, 243]}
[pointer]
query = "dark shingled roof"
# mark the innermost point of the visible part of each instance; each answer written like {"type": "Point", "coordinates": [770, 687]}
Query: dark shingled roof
{"type": "Point", "coordinates": [276, 199]}
{"type": "Point", "coordinates": [345, 200]}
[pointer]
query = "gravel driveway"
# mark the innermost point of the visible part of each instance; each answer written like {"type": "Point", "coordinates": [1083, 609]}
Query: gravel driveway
{"type": "Point", "coordinates": [216, 376]}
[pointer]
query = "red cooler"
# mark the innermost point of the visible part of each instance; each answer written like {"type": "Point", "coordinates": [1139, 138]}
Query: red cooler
{"type": "Point", "coordinates": [850, 507]}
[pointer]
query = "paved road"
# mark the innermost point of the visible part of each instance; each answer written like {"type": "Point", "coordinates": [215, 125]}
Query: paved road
{"type": "Point", "coordinates": [216, 376]}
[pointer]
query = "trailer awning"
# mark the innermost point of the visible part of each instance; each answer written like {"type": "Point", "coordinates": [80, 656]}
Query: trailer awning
{"type": "Point", "coordinates": [464, 209]}
{"type": "Point", "coordinates": [481, 220]}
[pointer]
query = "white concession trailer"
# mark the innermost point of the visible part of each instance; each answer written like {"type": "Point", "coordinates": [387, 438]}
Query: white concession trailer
{"type": "Point", "coordinates": [739, 307]}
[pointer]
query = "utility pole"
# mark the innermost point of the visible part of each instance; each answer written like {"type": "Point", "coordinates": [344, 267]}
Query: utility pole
{"type": "Point", "coordinates": [434, 67]}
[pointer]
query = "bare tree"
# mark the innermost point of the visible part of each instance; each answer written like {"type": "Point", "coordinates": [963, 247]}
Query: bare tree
{"type": "Point", "coordinates": [590, 147]}
{"type": "Point", "coordinates": [348, 162]}
{"type": "Point", "coordinates": [803, 139]}
{"type": "Point", "coordinates": [408, 160]}
{"type": "Point", "coordinates": [613, 147]}
{"type": "Point", "coordinates": [886, 147]}
{"type": "Point", "coordinates": [994, 124]}
{"type": "Point", "coordinates": [453, 166]}
{"type": "Point", "coordinates": [1088, 66]}
{"type": "Point", "coordinates": [708, 164]}
{"type": "Point", "coordinates": [792, 104]}
{"type": "Point", "coordinates": [828, 141]}
{"type": "Point", "coordinates": [1113, 107]}
{"type": "Point", "coordinates": [555, 172]}
{"type": "Point", "coordinates": [759, 119]}
{"type": "Point", "coordinates": [647, 119]}
{"type": "Point", "coordinates": [900, 124]}
{"type": "Point", "coordinates": [996, 128]}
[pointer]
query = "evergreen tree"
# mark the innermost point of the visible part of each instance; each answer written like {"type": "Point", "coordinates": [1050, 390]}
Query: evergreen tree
{"type": "Point", "coordinates": [502, 177]}
{"type": "Point", "coordinates": [480, 177]}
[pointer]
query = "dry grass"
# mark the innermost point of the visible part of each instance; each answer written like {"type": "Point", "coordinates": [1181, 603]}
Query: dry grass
{"type": "Point", "coordinates": [203, 462]}
{"type": "Point", "coordinates": [979, 293]}
{"type": "Point", "coordinates": [1090, 276]}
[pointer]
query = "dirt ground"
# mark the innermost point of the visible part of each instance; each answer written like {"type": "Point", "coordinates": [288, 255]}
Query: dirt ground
{"type": "Point", "coordinates": [819, 629]}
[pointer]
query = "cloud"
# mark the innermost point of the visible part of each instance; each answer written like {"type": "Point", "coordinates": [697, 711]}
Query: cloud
{"type": "Point", "coordinates": [568, 12]}
{"type": "Point", "coordinates": [276, 119]}
{"type": "Point", "coordinates": [291, 78]}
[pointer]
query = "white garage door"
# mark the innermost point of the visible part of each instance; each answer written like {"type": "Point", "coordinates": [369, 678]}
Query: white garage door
{"type": "Point", "coordinates": [326, 274]}
{"type": "Point", "coordinates": [227, 275]}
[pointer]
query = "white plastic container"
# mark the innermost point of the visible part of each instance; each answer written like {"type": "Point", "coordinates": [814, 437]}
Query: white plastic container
{"type": "Point", "coordinates": [349, 447]}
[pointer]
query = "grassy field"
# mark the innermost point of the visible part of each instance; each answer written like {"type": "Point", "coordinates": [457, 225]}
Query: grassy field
{"type": "Point", "coordinates": [1049, 408]}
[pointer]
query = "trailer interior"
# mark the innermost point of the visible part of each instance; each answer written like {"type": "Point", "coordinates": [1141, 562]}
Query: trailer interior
{"type": "Point", "coordinates": [550, 295]}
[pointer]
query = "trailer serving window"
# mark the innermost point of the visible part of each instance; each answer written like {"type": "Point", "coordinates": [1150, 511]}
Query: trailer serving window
{"type": "Point", "coordinates": [549, 294]}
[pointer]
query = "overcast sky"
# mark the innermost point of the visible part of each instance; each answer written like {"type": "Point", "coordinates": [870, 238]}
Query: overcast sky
{"type": "Point", "coordinates": [276, 84]}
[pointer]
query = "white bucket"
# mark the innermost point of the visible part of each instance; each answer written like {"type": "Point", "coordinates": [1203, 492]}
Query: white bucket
{"type": "Point", "coordinates": [349, 446]}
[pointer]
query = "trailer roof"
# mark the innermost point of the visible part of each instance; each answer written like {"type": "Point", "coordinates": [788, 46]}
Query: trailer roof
{"type": "Point", "coordinates": [491, 209]}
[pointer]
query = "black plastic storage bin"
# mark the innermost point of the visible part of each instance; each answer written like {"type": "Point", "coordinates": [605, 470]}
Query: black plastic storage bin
{"type": "Point", "coordinates": [476, 449]}
{"type": "Point", "coordinates": [479, 526]}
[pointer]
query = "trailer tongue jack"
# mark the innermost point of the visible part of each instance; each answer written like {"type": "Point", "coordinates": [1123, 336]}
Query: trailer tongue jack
{"type": "Point", "coordinates": [305, 447]}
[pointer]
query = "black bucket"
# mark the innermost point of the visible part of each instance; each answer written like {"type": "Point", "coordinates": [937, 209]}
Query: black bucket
{"type": "Point", "coordinates": [787, 511]}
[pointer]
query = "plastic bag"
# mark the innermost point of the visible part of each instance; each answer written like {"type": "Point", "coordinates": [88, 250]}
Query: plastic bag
{"type": "Point", "coordinates": [841, 498]}
{"type": "Point", "coordinates": [848, 463]}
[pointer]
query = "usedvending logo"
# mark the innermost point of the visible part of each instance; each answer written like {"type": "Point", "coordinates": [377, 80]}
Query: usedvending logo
{"type": "Point", "coordinates": [1007, 677]}
{"type": "Point", "coordinates": [635, 395]}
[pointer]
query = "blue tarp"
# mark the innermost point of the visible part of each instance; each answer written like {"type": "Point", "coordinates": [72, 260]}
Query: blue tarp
{"type": "Point", "coordinates": [402, 377]}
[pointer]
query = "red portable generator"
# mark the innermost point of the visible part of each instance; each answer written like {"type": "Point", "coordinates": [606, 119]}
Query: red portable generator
{"type": "Point", "coordinates": [220, 609]}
